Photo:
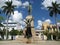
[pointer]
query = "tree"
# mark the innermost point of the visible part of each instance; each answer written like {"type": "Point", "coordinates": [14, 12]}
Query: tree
{"type": "Point", "coordinates": [1, 18]}
{"type": "Point", "coordinates": [8, 8]}
{"type": "Point", "coordinates": [2, 33]}
{"type": "Point", "coordinates": [56, 33]}
{"type": "Point", "coordinates": [1, 25]}
{"type": "Point", "coordinates": [46, 32]}
{"type": "Point", "coordinates": [13, 32]}
{"type": "Point", "coordinates": [21, 32]}
{"type": "Point", "coordinates": [54, 10]}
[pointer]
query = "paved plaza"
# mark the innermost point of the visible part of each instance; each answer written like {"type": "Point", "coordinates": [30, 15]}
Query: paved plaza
{"type": "Point", "coordinates": [38, 43]}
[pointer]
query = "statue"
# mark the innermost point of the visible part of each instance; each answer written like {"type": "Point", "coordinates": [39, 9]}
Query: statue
{"type": "Point", "coordinates": [28, 33]}
{"type": "Point", "coordinates": [29, 9]}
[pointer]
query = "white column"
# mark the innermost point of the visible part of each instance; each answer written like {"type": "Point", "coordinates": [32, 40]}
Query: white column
{"type": "Point", "coordinates": [51, 37]}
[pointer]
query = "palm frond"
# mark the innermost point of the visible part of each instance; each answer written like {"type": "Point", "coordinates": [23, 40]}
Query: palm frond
{"type": "Point", "coordinates": [9, 8]}
{"type": "Point", "coordinates": [49, 8]}
{"type": "Point", "coordinates": [58, 11]}
{"type": "Point", "coordinates": [54, 9]}
{"type": "Point", "coordinates": [0, 12]}
{"type": "Point", "coordinates": [51, 13]}
{"type": "Point", "coordinates": [1, 18]}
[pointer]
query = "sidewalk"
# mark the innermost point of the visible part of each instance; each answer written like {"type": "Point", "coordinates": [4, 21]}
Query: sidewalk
{"type": "Point", "coordinates": [39, 43]}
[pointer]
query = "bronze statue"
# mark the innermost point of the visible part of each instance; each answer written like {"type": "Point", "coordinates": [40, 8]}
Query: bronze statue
{"type": "Point", "coordinates": [29, 9]}
{"type": "Point", "coordinates": [28, 33]}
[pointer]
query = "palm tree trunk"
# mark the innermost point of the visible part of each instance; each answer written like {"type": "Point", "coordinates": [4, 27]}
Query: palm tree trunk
{"type": "Point", "coordinates": [7, 29]}
{"type": "Point", "coordinates": [56, 22]}
{"type": "Point", "coordinates": [56, 26]}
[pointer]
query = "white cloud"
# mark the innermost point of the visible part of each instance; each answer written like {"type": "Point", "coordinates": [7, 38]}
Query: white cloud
{"type": "Point", "coordinates": [39, 24]}
{"type": "Point", "coordinates": [15, 2]}
{"type": "Point", "coordinates": [17, 17]}
{"type": "Point", "coordinates": [25, 4]}
{"type": "Point", "coordinates": [48, 21]}
{"type": "Point", "coordinates": [47, 3]}
{"type": "Point", "coordinates": [1, 3]}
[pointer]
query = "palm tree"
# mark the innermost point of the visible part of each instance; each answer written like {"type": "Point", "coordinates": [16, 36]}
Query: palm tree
{"type": "Point", "coordinates": [1, 19]}
{"type": "Point", "coordinates": [8, 9]}
{"type": "Point", "coordinates": [54, 10]}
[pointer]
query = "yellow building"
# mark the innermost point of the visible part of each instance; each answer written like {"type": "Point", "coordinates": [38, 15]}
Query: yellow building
{"type": "Point", "coordinates": [46, 25]}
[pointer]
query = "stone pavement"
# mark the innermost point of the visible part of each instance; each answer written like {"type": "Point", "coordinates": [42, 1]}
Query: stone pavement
{"type": "Point", "coordinates": [38, 43]}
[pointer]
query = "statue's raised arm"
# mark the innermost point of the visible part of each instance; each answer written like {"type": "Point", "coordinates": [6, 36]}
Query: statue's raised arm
{"type": "Point", "coordinates": [29, 9]}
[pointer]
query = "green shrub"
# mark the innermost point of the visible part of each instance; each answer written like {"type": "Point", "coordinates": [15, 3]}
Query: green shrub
{"type": "Point", "coordinates": [21, 32]}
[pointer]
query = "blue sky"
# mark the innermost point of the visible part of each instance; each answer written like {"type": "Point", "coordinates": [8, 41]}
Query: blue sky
{"type": "Point", "coordinates": [37, 12]}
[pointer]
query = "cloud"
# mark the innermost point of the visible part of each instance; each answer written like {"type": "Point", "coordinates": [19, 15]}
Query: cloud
{"type": "Point", "coordinates": [18, 3]}
{"type": "Point", "coordinates": [17, 17]}
{"type": "Point", "coordinates": [2, 3]}
{"type": "Point", "coordinates": [25, 4]}
{"type": "Point", "coordinates": [48, 21]}
{"type": "Point", "coordinates": [39, 24]}
{"type": "Point", "coordinates": [15, 2]}
{"type": "Point", "coordinates": [47, 3]}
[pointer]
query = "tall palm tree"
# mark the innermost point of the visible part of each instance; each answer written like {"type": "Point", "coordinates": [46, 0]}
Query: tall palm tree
{"type": "Point", "coordinates": [54, 10]}
{"type": "Point", "coordinates": [8, 8]}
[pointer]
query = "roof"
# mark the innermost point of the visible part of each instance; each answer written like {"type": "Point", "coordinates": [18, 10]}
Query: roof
{"type": "Point", "coordinates": [39, 30]}
{"type": "Point", "coordinates": [10, 23]}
